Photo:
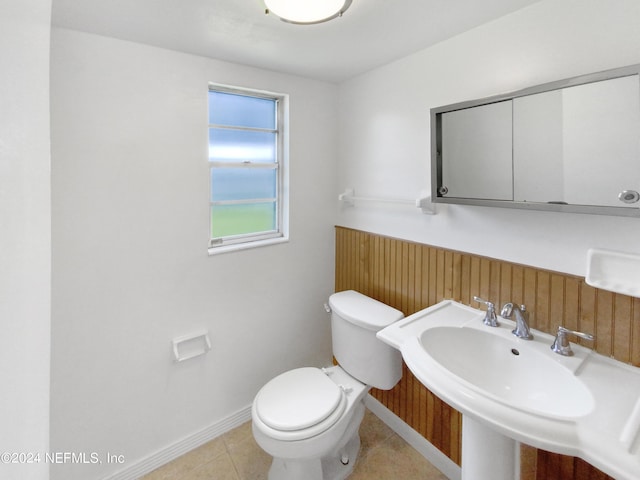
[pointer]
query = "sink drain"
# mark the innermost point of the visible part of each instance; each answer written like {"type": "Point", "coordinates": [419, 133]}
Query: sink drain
{"type": "Point", "coordinates": [515, 351]}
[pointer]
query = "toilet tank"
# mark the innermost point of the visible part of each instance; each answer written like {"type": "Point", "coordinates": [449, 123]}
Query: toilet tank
{"type": "Point", "coordinates": [355, 320]}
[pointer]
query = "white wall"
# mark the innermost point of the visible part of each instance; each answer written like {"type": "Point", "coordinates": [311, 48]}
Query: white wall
{"type": "Point", "coordinates": [130, 264]}
{"type": "Point", "coordinates": [25, 250]}
{"type": "Point", "coordinates": [384, 136]}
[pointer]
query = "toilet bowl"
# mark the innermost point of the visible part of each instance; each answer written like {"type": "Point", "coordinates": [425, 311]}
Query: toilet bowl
{"type": "Point", "coordinates": [326, 431]}
{"type": "Point", "coordinates": [308, 418]}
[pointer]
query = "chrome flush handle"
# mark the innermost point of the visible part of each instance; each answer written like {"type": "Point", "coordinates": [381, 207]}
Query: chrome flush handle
{"type": "Point", "coordinates": [490, 317]}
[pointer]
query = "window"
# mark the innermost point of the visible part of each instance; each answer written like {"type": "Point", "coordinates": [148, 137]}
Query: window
{"type": "Point", "coordinates": [248, 202]}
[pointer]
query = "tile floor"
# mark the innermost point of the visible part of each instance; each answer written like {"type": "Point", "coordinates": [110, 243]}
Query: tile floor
{"type": "Point", "coordinates": [236, 456]}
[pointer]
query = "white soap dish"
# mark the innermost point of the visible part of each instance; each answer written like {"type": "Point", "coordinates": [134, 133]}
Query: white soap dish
{"type": "Point", "coordinates": [614, 271]}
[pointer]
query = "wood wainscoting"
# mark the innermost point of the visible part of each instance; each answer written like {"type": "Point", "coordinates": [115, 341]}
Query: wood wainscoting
{"type": "Point", "coordinates": [411, 276]}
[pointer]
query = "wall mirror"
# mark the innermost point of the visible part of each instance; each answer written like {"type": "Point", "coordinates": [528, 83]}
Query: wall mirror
{"type": "Point", "coordinates": [571, 145]}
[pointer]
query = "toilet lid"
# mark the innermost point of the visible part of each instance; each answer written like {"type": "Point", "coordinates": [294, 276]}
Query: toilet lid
{"type": "Point", "coordinates": [297, 399]}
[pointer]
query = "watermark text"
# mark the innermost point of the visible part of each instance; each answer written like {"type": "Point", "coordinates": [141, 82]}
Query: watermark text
{"type": "Point", "coordinates": [84, 458]}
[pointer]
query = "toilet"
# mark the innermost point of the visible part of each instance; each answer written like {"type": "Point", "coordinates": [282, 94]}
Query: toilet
{"type": "Point", "coordinates": [308, 418]}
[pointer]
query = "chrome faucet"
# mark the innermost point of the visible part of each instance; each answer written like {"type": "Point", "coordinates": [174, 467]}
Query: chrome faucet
{"type": "Point", "coordinates": [561, 344]}
{"type": "Point", "coordinates": [522, 316]}
{"type": "Point", "coordinates": [490, 318]}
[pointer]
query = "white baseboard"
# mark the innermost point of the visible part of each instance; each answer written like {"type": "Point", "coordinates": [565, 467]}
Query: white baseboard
{"type": "Point", "coordinates": [173, 451]}
{"type": "Point", "coordinates": [439, 460]}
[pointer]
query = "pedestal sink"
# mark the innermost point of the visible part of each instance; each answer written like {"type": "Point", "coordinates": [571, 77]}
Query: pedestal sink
{"type": "Point", "coordinates": [509, 389]}
{"type": "Point", "coordinates": [498, 365]}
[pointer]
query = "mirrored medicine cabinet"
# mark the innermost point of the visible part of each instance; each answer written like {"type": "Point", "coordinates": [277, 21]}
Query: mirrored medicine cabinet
{"type": "Point", "coordinates": [571, 146]}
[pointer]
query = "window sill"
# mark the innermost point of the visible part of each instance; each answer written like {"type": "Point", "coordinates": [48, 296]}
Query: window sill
{"type": "Point", "coordinates": [246, 245]}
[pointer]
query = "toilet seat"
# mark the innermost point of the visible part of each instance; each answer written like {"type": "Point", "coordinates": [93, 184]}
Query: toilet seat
{"type": "Point", "coordinates": [299, 404]}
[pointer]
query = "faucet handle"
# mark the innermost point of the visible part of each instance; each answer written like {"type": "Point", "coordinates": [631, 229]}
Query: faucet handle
{"type": "Point", "coordinates": [561, 344]}
{"type": "Point", "coordinates": [490, 318]}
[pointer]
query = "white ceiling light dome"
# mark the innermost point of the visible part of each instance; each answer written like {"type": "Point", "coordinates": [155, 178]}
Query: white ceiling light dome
{"type": "Point", "coordinates": [306, 12]}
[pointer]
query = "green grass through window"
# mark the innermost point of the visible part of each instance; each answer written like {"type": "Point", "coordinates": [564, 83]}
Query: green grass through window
{"type": "Point", "coordinates": [227, 220]}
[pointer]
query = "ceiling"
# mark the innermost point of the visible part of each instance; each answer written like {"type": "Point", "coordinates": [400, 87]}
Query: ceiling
{"type": "Point", "coordinates": [369, 34]}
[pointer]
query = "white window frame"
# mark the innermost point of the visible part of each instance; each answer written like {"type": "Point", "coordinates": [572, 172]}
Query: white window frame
{"type": "Point", "coordinates": [281, 234]}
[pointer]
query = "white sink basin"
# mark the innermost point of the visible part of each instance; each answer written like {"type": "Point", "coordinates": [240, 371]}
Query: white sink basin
{"type": "Point", "coordinates": [508, 370]}
{"type": "Point", "coordinates": [586, 405]}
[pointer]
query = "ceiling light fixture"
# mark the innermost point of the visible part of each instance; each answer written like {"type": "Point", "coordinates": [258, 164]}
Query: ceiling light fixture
{"type": "Point", "coordinates": [307, 12]}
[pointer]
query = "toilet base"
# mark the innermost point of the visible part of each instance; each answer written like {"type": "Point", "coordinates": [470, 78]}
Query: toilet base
{"type": "Point", "coordinates": [340, 466]}
{"type": "Point", "coordinates": [337, 465]}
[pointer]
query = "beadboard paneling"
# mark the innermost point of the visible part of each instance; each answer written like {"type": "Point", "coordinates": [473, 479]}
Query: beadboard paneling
{"type": "Point", "coordinates": [411, 276]}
